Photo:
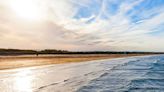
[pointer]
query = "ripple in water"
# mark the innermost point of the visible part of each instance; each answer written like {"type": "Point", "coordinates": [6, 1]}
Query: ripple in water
{"type": "Point", "coordinates": [142, 75]}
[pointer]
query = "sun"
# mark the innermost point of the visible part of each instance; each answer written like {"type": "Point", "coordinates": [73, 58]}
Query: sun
{"type": "Point", "coordinates": [27, 9]}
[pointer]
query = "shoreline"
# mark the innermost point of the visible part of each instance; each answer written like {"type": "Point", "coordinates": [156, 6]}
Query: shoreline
{"type": "Point", "coordinates": [13, 62]}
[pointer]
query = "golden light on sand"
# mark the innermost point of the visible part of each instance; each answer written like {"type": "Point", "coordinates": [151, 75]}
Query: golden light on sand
{"type": "Point", "coordinates": [27, 9]}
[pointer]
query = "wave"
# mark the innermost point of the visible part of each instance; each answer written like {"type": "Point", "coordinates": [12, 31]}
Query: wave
{"type": "Point", "coordinates": [140, 75]}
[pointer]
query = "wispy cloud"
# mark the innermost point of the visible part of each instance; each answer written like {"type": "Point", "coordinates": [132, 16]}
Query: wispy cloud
{"type": "Point", "coordinates": [88, 25]}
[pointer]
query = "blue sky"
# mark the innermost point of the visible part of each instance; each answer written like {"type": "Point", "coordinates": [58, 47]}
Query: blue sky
{"type": "Point", "coordinates": [117, 25]}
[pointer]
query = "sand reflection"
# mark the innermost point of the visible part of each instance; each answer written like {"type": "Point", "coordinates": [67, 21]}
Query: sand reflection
{"type": "Point", "coordinates": [23, 83]}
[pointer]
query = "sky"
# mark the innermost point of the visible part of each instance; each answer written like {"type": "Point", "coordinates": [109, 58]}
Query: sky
{"type": "Point", "coordinates": [82, 25]}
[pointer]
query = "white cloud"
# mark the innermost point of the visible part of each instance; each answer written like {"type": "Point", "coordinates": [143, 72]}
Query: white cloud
{"type": "Point", "coordinates": [62, 31]}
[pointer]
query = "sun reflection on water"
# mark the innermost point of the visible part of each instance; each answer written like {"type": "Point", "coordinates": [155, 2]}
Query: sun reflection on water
{"type": "Point", "coordinates": [23, 83]}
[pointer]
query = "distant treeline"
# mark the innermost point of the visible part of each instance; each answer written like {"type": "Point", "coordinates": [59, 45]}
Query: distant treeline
{"type": "Point", "coordinates": [53, 51]}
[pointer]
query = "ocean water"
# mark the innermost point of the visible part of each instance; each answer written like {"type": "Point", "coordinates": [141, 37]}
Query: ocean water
{"type": "Point", "coordinates": [133, 74]}
{"type": "Point", "coordinates": [140, 75]}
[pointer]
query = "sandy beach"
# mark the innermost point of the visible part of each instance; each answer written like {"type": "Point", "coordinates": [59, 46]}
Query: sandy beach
{"type": "Point", "coordinates": [10, 62]}
{"type": "Point", "coordinates": [128, 74]}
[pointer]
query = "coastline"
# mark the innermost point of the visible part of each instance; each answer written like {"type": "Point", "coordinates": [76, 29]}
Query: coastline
{"type": "Point", "coordinates": [12, 62]}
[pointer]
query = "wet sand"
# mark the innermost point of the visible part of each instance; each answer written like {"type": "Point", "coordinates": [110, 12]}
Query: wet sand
{"type": "Point", "coordinates": [129, 74]}
{"type": "Point", "coordinates": [10, 62]}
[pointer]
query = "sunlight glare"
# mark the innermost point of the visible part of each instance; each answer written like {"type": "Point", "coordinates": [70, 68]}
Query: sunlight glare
{"type": "Point", "coordinates": [27, 9]}
{"type": "Point", "coordinates": [24, 82]}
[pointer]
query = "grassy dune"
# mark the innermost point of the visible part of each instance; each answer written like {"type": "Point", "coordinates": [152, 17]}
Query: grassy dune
{"type": "Point", "coordinates": [10, 62]}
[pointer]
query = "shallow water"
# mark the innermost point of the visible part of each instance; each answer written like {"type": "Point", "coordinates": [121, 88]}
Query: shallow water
{"type": "Point", "coordinates": [140, 75]}
{"type": "Point", "coordinates": [135, 74]}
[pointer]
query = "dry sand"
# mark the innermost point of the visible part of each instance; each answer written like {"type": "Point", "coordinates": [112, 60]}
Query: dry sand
{"type": "Point", "coordinates": [10, 62]}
